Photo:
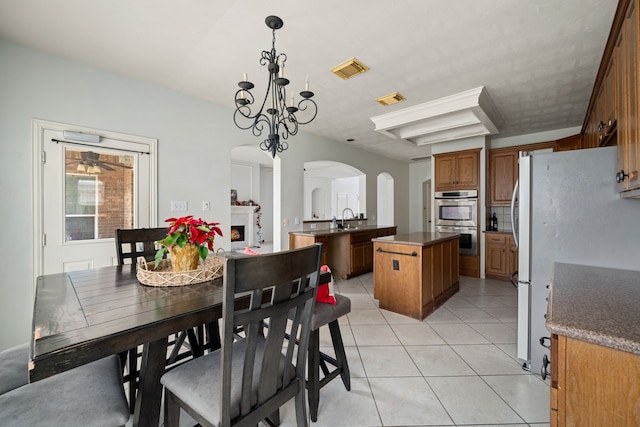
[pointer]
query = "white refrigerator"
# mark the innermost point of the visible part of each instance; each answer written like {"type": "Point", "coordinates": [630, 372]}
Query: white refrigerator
{"type": "Point", "coordinates": [568, 210]}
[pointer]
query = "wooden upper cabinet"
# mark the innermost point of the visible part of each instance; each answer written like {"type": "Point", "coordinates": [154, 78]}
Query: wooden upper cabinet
{"type": "Point", "coordinates": [573, 142]}
{"type": "Point", "coordinates": [458, 170]}
{"type": "Point", "coordinates": [503, 174]}
{"type": "Point", "coordinates": [614, 110]}
{"type": "Point", "coordinates": [627, 130]}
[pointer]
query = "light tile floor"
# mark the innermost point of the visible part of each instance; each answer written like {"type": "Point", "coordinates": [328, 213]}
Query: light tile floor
{"type": "Point", "coordinates": [457, 367]}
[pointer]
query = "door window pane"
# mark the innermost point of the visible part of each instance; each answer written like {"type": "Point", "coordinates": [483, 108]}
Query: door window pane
{"type": "Point", "coordinates": [98, 194]}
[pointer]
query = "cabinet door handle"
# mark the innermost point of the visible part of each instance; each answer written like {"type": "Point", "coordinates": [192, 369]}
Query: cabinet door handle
{"type": "Point", "coordinates": [544, 371]}
{"type": "Point", "coordinates": [620, 176]}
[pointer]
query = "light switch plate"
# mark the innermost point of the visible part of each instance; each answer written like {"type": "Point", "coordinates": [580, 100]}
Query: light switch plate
{"type": "Point", "coordinates": [178, 205]}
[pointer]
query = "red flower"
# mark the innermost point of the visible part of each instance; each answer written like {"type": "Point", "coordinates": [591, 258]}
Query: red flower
{"type": "Point", "coordinates": [185, 230]}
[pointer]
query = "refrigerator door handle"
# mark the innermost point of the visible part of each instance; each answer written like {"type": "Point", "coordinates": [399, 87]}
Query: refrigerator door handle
{"type": "Point", "coordinates": [514, 228]}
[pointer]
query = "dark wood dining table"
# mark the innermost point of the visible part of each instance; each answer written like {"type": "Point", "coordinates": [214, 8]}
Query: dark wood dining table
{"type": "Point", "coordinates": [83, 316]}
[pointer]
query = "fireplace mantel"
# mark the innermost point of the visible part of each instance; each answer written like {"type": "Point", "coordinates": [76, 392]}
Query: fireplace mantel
{"type": "Point", "coordinates": [243, 209]}
{"type": "Point", "coordinates": [244, 215]}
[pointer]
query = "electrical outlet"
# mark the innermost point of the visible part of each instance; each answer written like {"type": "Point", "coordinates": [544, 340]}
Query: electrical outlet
{"type": "Point", "coordinates": [206, 206]}
{"type": "Point", "coordinates": [179, 205]}
{"type": "Point", "coordinates": [296, 220]}
{"type": "Point", "coordinates": [285, 222]}
{"type": "Point", "coordinates": [396, 264]}
{"type": "Point", "coordinates": [313, 226]}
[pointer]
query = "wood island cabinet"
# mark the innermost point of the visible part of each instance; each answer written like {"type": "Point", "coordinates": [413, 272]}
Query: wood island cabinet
{"type": "Point", "coordinates": [458, 170]}
{"type": "Point", "coordinates": [593, 385]}
{"type": "Point", "coordinates": [348, 253]}
{"type": "Point", "coordinates": [501, 258]}
{"type": "Point", "coordinates": [415, 273]}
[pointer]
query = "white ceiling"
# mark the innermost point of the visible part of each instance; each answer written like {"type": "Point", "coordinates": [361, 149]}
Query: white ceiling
{"type": "Point", "coordinates": [537, 59]}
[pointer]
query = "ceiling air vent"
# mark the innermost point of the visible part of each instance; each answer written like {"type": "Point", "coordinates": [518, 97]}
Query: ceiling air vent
{"type": "Point", "coordinates": [349, 68]}
{"type": "Point", "coordinates": [392, 98]}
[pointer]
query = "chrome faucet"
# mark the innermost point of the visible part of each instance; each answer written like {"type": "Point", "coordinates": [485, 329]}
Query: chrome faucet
{"type": "Point", "coordinates": [352, 215]}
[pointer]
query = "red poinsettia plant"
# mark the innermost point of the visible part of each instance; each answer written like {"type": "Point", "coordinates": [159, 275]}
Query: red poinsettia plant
{"type": "Point", "coordinates": [188, 230]}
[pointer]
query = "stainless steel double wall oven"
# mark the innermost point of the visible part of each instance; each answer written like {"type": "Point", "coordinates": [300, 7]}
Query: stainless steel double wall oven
{"type": "Point", "coordinates": [457, 212]}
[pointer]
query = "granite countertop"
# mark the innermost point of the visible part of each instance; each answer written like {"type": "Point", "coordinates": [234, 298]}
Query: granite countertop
{"type": "Point", "coordinates": [498, 232]}
{"type": "Point", "coordinates": [595, 304]}
{"type": "Point", "coordinates": [417, 238]}
{"type": "Point", "coordinates": [334, 231]}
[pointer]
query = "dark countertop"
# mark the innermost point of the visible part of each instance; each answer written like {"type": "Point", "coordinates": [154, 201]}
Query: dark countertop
{"type": "Point", "coordinates": [338, 231]}
{"type": "Point", "coordinates": [597, 305]}
{"type": "Point", "coordinates": [417, 238]}
{"type": "Point", "coordinates": [497, 232]}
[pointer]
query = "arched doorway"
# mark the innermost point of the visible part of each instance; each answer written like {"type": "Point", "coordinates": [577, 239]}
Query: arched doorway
{"type": "Point", "coordinates": [332, 187]}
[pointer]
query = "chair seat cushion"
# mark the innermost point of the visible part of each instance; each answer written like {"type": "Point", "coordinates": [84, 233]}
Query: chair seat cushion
{"type": "Point", "coordinates": [189, 383]}
{"type": "Point", "coordinates": [14, 368]}
{"type": "Point", "coordinates": [327, 313]}
{"type": "Point", "coordinates": [90, 395]}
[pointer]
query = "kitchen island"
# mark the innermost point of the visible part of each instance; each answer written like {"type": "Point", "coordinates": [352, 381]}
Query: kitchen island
{"type": "Point", "coordinates": [415, 273]}
{"type": "Point", "coordinates": [347, 251]}
{"type": "Point", "coordinates": [594, 322]}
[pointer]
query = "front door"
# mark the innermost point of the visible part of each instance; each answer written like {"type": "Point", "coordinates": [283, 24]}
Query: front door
{"type": "Point", "coordinates": [89, 190]}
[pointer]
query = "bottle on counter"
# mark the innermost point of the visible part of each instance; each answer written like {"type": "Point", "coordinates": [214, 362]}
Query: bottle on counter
{"type": "Point", "coordinates": [334, 223]}
{"type": "Point", "coordinates": [494, 222]}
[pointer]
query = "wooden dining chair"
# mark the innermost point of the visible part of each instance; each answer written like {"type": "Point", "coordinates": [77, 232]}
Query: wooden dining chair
{"type": "Point", "coordinates": [89, 395]}
{"type": "Point", "coordinates": [249, 379]}
{"type": "Point", "coordinates": [132, 244]}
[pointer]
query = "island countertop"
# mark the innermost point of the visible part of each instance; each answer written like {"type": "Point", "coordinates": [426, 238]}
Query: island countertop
{"type": "Point", "coordinates": [337, 231]}
{"type": "Point", "coordinates": [417, 238]}
{"type": "Point", "coordinates": [597, 305]}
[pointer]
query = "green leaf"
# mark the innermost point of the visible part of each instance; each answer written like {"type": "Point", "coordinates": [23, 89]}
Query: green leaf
{"type": "Point", "coordinates": [159, 255]}
{"type": "Point", "coordinates": [204, 251]}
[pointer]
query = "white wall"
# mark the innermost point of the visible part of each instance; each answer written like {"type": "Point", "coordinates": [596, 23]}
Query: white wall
{"type": "Point", "coordinates": [195, 139]}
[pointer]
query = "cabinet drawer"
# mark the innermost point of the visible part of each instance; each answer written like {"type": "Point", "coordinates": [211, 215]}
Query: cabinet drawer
{"type": "Point", "coordinates": [497, 239]}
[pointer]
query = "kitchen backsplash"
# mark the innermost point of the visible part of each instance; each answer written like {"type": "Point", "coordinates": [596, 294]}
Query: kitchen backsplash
{"type": "Point", "coordinates": [503, 213]}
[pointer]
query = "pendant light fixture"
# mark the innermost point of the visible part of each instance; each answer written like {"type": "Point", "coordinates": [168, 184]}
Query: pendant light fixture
{"type": "Point", "coordinates": [273, 115]}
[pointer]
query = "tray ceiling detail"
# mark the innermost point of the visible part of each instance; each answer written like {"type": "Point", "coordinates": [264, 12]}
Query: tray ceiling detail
{"type": "Point", "coordinates": [462, 115]}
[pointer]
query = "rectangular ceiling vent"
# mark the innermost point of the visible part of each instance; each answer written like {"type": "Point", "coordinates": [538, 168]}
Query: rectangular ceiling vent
{"type": "Point", "coordinates": [349, 68]}
{"type": "Point", "coordinates": [392, 98]}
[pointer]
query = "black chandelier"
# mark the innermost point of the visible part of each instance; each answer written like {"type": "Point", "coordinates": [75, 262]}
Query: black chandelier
{"type": "Point", "coordinates": [279, 119]}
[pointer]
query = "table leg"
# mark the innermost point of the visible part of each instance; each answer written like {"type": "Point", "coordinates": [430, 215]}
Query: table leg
{"type": "Point", "coordinates": [147, 412]}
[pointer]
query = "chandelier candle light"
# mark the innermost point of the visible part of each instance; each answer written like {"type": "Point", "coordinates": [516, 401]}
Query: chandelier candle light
{"type": "Point", "coordinates": [279, 119]}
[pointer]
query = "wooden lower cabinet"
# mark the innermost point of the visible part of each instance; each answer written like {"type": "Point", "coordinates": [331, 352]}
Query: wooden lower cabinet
{"type": "Point", "coordinates": [470, 265]}
{"type": "Point", "coordinates": [501, 256]}
{"type": "Point", "coordinates": [593, 385]}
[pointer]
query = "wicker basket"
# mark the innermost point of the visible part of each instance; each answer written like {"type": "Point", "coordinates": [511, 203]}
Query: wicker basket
{"type": "Point", "coordinates": [163, 275]}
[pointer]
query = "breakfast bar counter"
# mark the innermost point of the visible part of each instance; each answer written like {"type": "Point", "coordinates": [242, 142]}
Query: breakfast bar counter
{"type": "Point", "coordinates": [414, 273]}
{"type": "Point", "coordinates": [347, 251]}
